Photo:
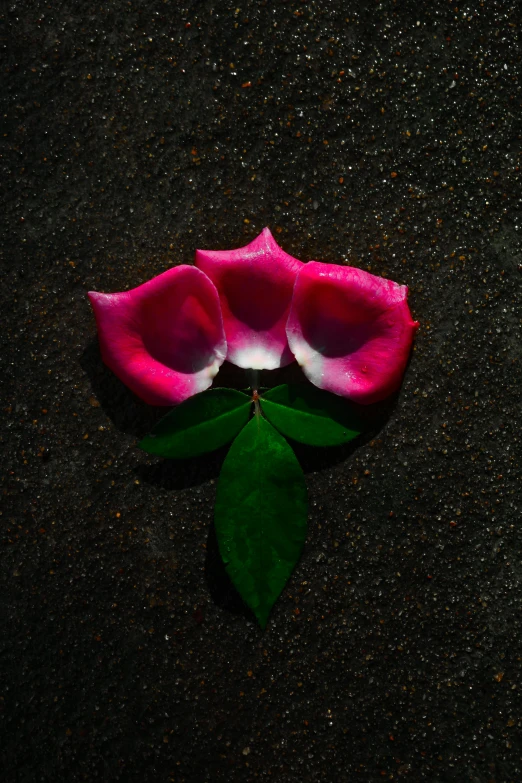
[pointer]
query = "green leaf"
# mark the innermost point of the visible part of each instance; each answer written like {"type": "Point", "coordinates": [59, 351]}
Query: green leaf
{"type": "Point", "coordinates": [260, 514]}
{"type": "Point", "coordinates": [310, 415]}
{"type": "Point", "coordinates": [200, 424]}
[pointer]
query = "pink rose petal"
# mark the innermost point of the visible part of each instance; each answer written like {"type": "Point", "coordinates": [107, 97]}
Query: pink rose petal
{"type": "Point", "coordinates": [350, 331]}
{"type": "Point", "coordinates": [164, 339]}
{"type": "Point", "coordinates": [255, 285]}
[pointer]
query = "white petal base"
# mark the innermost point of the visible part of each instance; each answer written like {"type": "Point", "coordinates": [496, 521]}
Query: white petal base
{"type": "Point", "coordinates": [255, 358]}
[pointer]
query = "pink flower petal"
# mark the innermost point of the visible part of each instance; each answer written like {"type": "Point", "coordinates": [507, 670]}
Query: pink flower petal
{"type": "Point", "coordinates": [164, 339]}
{"type": "Point", "coordinates": [350, 331]}
{"type": "Point", "coordinates": [255, 285]}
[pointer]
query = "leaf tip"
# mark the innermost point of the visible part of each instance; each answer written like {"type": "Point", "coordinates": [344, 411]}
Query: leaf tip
{"type": "Point", "coordinates": [262, 614]}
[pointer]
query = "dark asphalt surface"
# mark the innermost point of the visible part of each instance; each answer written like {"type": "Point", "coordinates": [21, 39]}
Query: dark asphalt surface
{"type": "Point", "coordinates": [383, 135]}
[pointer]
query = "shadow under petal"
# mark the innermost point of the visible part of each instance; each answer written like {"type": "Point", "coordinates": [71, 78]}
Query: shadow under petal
{"type": "Point", "coordinates": [231, 377]}
{"type": "Point", "coordinates": [126, 411]}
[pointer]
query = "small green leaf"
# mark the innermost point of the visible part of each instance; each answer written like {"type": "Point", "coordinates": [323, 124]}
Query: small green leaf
{"type": "Point", "coordinates": [310, 415]}
{"type": "Point", "coordinates": [260, 514]}
{"type": "Point", "coordinates": [200, 424]}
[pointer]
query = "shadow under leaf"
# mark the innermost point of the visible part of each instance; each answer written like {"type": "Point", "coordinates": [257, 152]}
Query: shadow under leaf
{"type": "Point", "coordinates": [174, 474]}
{"type": "Point", "coordinates": [219, 584]}
{"type": "Point", "coordinates": [373, 417]}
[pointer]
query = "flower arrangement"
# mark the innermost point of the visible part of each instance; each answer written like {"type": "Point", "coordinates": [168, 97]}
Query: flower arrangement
{"type": "Point", "coordinates": [260, 309]}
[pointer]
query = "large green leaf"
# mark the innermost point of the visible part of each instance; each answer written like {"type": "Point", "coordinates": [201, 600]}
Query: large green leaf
{"type": "Point", "coordinates": [260, 514]}
{"type": "Point", "coordinates": [310, 415]}
{"type": "Point", "coordinates": [200, 424]}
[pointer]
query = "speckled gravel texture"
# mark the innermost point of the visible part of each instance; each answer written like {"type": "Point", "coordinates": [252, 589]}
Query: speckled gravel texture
{"type": "Point", "coordinates": [382, 135]}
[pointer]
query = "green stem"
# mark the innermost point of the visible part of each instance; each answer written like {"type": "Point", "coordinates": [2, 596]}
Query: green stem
{"type": "Point", "coordinates": [253, 377]}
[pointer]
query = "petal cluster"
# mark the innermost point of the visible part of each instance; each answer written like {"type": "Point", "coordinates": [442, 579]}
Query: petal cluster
{"type": "Point", "coordinates": [259, 308]}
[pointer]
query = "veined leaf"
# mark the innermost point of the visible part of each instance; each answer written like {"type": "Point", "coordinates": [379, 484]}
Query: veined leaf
{"type": "Point", "coordinates": [260, 514]}
{"type": "Point", "coordinates": [310, 415]}
{"type": "Point", "coordinates": [200, 424]}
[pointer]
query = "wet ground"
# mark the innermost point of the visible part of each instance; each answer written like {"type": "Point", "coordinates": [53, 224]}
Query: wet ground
{"type": "Point", "coordinates": [386, 136]}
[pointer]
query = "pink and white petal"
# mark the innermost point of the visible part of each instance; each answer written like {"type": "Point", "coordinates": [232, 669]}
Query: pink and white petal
{"type": "Point", "coordinates": [350, 331]}
{"type": "Point", "coordinates": [164, 339]}
{"type": "Point", "coordinates": [255, 285]}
